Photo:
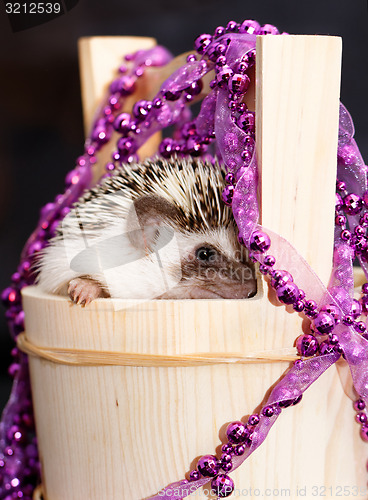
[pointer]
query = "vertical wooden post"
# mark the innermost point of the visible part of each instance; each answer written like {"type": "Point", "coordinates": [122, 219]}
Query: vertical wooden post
{"type": "Point", "coordinates": [125, 432]}
{"type": "Point", "coordinates": [99, 59]}
{"type": "Point", "coordinates": [297, 110]}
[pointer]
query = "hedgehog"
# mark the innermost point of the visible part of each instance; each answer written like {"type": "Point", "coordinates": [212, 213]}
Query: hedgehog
{"type": "Point", "coordinates": [158, 229]}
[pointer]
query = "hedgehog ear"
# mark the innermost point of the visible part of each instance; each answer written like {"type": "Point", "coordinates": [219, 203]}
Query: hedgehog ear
{"type": "Point", "coordinates": [148, 222]}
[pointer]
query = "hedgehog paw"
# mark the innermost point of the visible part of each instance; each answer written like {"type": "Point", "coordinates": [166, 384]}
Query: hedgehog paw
{"type": "Point", "coordinates": [83, 290]}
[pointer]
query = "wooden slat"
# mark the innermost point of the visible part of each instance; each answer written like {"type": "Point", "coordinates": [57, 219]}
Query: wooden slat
{"type": "Point", "coordinates": [298, 81]}
{"type": "Point", "coordinates": [99, 59]}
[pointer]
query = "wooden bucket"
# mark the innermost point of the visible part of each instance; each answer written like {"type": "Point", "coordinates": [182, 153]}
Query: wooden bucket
{"type": "Point", "coordinates": [125, 432]}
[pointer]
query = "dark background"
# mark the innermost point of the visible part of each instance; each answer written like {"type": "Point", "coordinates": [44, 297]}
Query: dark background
{"type": "Point", "coordinates": [41, 129]}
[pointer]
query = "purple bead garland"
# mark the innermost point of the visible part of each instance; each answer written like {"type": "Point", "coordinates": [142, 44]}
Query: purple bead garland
{"type": "Point", "coordinates": [230, 52]}
{"type": "Point", "coordinates": [326, 318]}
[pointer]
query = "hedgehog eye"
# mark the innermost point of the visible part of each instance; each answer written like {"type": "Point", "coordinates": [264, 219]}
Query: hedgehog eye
{"type": "Point", "coordinates": [205, 254]}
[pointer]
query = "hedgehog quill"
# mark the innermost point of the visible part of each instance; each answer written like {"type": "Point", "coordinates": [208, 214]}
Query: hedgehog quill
{"type": "Point", "coordinates": [153, 230]}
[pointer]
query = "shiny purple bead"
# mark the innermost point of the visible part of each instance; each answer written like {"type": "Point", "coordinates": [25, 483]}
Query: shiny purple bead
{"type": "Point", "coordinates": [195, 88]}
{"type": "Point", "coordinates": [232, 26]}
{"type": "Point", "coordinates": [359, 243]}
{"type": "Point", "coordinates": [307, 345]}
{"type": "Point", "coordinates": [297, 400]}
{"type": "Point", "coordinates": [288, 294]}
{"type": "Point", "coordinates": [359, 405]}
{"type": "Point", "coordinates": [251, 57]}
{"type": "Point", "coordinates": [246, 156]}
{"type": "Point", "coordinates": [326, 347]}
{"type": "Point", "coordinates": [253, 419]}
{"type": "Point", "coordinates": [229, 178]}
{"type": "Point", "coordinates": [360, 230]}
{"type": "Point", "coordinates": [364, 303]}
{"type": "Point", "coordinates": [167, 147]}
{"type": "Point", "coordinates": [124, 85]}
{"type": "Point", "coordinates": [224, 75]}
{"type": "Point", "coordinates": [19, 320]}
{"type": "Point", "coordinates": [141, 109]}
{"type": "Point", "coordinates": [269, 260]}
{"type": "Point", "coordinates": [340, 220]}
{"type": "Point", "coordinates": [356, 309]}
{"type": "Point", "coordinates": [221, 49]}
{"type": "Point", "coordinates": [333, 311]}
{"type": "Point", "coordinates": [280, 278]}
{"type": "Point", "coordinates": [227, 448]}
{"type": "Point", "coordinates": [290, 402]}
{"type": "Point", "coordinates": [365, 199]}
{"type": "Point", "coordinates": [338, 202]}
{"type": "Point", "coordinates": [237, 432]}
{"type": "Point", "coordinates": [242, 68]}
{"type": "Point", "coordinates": [249, 26]}
{"type": "Point", "coordinates": [194, 475]}
{"type": "Point", "coordinates": [348, 320]}
{"type": "Point", "coordinates": [263, 269]}
{"type": "Point", "coordinates": [324, 323]}
{"type": "Point", "coordinates": [115, 156]}
{"type": "Point", "coordinates": [345, 235]}
{"type": "Point", "coordinates": [10, 296]}
{"type": "Point", "coordinates": [239, 83]}
{"type": "Point", "coordinates": [334, 339]}
{"type": "Point", "coordinates": [226, 458]}
{"type": "Point", "coordinates": [195, 148]}
{"type": "Point", "coordinates": [364, 433]}
{"type": "Point", "coordinates": [361, 418]}
{"type": "Point", "coordinates": [352, 204]}
{"type": "Point", "coordinates": [126, 146]}
{"type": "Point", "coordinates": [208, 466]}
{"type": "Point", "coordinates": [222, 486]}
{"type": "Point", "coordinates": [268, 29]}
{"type": "Point", "coordinates": [101, 134]}
{"type": "Point", "coordinates": [157, 103]}
{"type": "Point", "coordinates": [364, 256]}
{"type": "Point", "coordinates": [221, 61]}
{"type": "Point", "coordinates": [239, 450]}
{"type": "Point", "coordinates": [188, 130]}
{"type": "Point", "coordinates": [286, 403]}
{"type": "Point", "coordinates": [246, 121]}
{"type": "Point", "coordinates": [202, 42]}
{"type": "Point", "coordinates": [268, 411]}
{"type": "Point", "coordinates": [227, 466]}
{"type": "Point", "coordinates": [211, 52]}
{"type": "Point", "coordinates": [219, 31]}
{"type": "Point", "coordinates": [171, 95]}
{"type": "Point", "coordinates": [360, 326]}
{"type": "Point", "coordinates": [227, 194]}
{"type": "Point", "coordinates": [298, 306]}
{"type": "Point", "coordinates": [311, 305]}
{"type": "Point", "coordinates": [260, 242]}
